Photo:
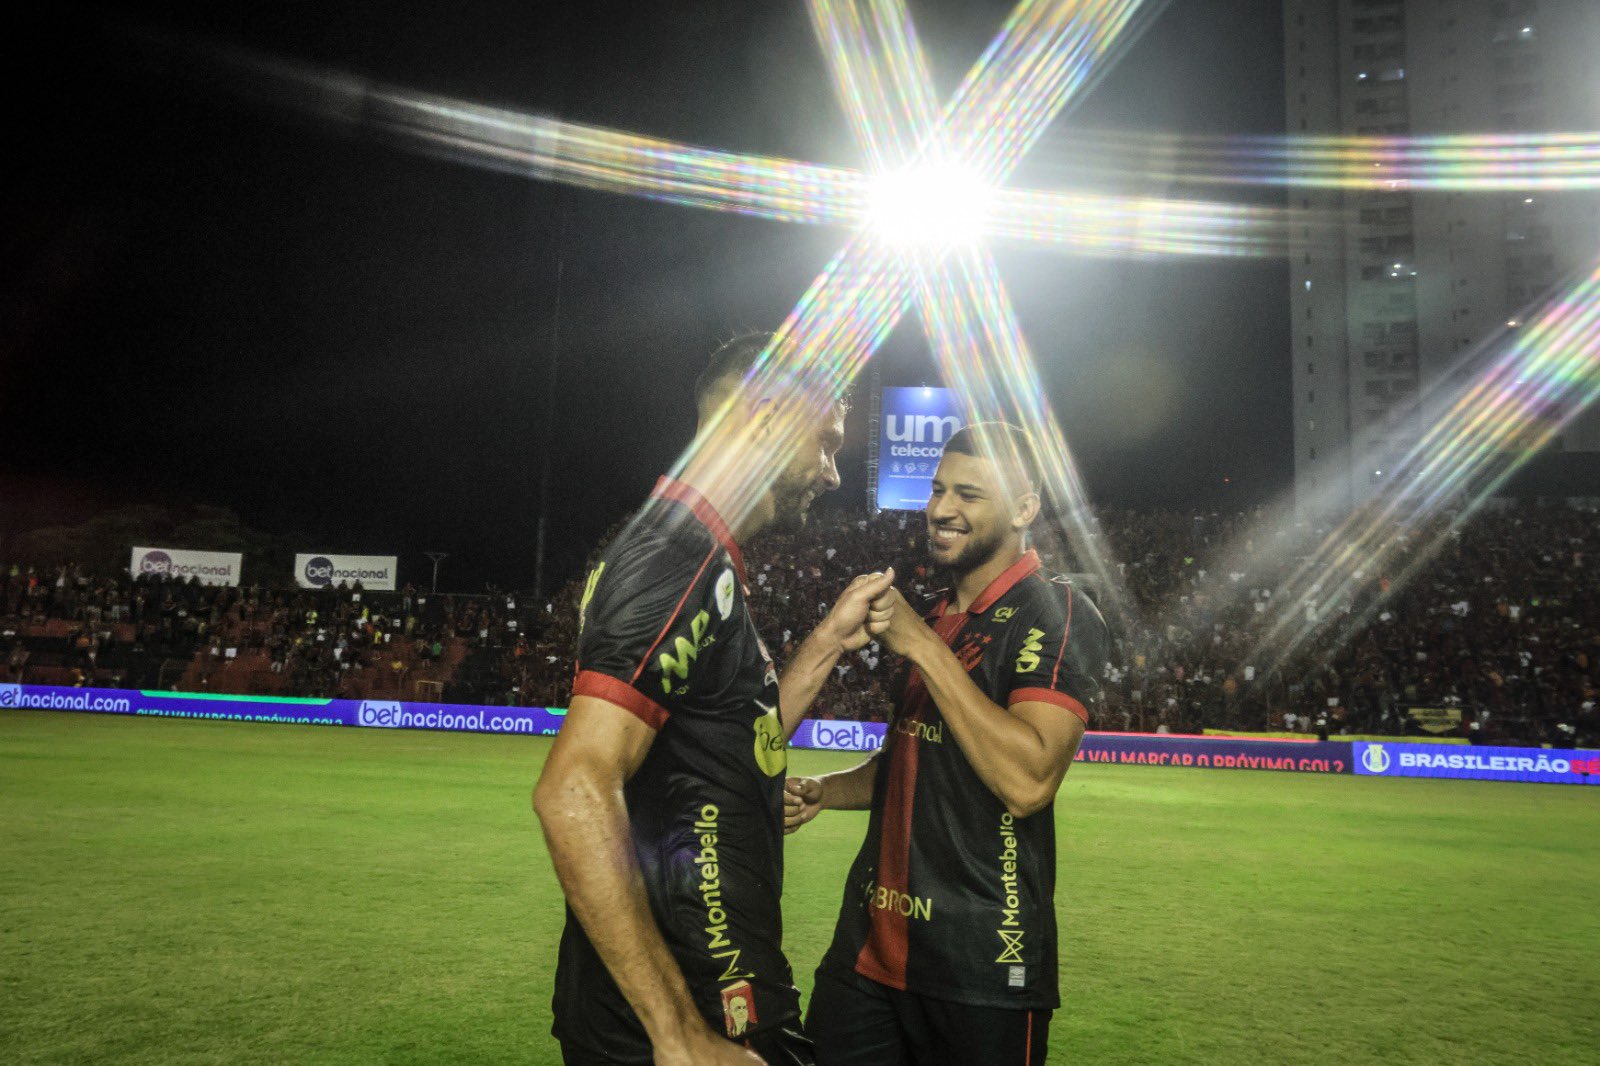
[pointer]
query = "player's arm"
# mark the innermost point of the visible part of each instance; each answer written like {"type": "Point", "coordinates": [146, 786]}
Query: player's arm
{"type": "Point", "coordinates": [848, 790]}
{"type": "Point", "coordinates": [842, 631]}
{"type": "Point", "coordinates": [1020, 752]}
{"type": "Point", "coordinates": [580, 807]}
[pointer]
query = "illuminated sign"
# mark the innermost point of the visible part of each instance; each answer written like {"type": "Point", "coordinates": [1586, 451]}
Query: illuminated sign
{"type": "Point", "coordinates": [915, 424]}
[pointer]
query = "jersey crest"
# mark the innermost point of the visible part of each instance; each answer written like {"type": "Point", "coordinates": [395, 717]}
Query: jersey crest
{"type": "Point", "coordinates": [725, 594]}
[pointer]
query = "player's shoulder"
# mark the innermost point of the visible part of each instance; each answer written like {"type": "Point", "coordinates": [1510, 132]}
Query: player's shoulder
{"type": "Point", "coordinates": [651, 568]}
{"type": "Point", "coordinates": [1052, 594]}
{"type": "Point", "coordinates": [1045, 587]}
{"type": "Point", "coordinates": [658, 539]}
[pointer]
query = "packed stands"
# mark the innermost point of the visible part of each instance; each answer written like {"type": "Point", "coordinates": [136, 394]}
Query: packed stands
{"type": "Point", "coordinates": [68, 627]}
{"type": "Point", "coordinates": [1502, 625]}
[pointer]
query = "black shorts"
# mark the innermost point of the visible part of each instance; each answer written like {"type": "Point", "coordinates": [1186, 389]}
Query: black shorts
{"type": "Point", "coordinates": [857, 1022]}
{"type": "Point", "coordinates": [784, 1045]}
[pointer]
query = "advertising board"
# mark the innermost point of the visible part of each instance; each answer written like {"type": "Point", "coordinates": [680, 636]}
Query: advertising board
{"type": "Point", "coordinates": [1559, 766]}
{"type": "Point", "coordinates": [182, 564]}
{"type": "Point", "coordinates": [374, 572]}
{"type": "Point", "coordinates": [1370, 759]}
{"type": "Point", "coordinates": [370, 714]}
{"type": "Point", "coordinates": [911, 434]}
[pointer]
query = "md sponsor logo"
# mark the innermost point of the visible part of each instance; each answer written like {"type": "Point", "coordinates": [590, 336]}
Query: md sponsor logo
{"type": "Point", "coordinates": [843, 736]}
{"type": "Point", "coordinates": [383, 714]}
{"type": "Point", "coordinates": [155, 562]}
{"type": "Point", "coordinates": [10, 695]}
{"type": "Point", "coordinates": [1375, 760]}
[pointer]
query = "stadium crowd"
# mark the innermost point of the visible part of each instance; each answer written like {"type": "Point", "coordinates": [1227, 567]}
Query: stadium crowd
{"type": "Point", "coordinates": [109, 629]}
{"type": "Point", "coordinates": [1500, 626]}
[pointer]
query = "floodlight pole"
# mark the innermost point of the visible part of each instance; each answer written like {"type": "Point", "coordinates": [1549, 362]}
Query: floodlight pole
{"type": "Point", "coordinates": [550, 414]}
{"type": "Point", "coordinates": [436, 557]}
{"type": "Point", "coordinates": [874, 413]}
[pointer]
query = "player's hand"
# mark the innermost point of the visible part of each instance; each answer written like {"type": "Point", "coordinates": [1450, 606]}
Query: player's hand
{"type": "Point", "coordinates": [704, 1046]}
{"type": "Point", "coordinates": [802, 801]}
{"type": "Point", "coordinates": [847, 622]}
{"type": "Point", "coordinates": [893, 622]}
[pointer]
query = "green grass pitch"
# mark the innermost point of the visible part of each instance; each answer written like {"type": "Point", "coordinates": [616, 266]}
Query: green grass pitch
{"type": "Point", "coordinates": [220, 892]}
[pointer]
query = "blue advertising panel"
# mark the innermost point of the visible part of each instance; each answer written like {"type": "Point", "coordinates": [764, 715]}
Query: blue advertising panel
{"type": "Point", "coordinates": [838, 736]}
{"type": "Point", "coordinates": [1142, 749]}
{"type": "Point", "coordinates": [1541, 765]}
{"type": "Point", "coordinates": [916, 422]}
{"type": "Point", "coordinates": [1217, 753]}
{"type": "Point", "coordinates": [371, 714]}
{"type": "Point", "coordinates": [1557, 766]}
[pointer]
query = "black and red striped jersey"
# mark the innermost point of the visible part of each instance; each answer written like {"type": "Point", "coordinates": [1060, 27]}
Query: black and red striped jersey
{"type": "Point", "coordinates": [665, 632]}
{"type": "Point", "coordinates": [951, 896]}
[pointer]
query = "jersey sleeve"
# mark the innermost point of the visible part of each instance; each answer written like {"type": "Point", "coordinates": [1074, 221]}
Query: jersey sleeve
{"type": "Point", "coordinates": [1062, 655]}
{"type": "Point", "coordinates": [640, 624]}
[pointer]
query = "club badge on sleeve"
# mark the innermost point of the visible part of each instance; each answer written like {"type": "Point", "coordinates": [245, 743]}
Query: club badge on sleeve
{"type": "Point", "coordinates": [738, 1008]}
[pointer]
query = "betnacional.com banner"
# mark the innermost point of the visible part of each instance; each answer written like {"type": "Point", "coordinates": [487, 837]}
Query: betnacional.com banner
{"type": "Point", "coordinates": [839, 736]}
{"type": "Point", "coordinates": [212, 568]}
{"type": "Point", "coordinates": [911, 434]}
{"type": "Point", "coordinates": [1551, 765]}
{"type": "Point", "coordinates": [371, 714]}
{"type": "Point", "coordinates": [374, 572]}
{"type": "Point", "coordinates": [1560, 766]}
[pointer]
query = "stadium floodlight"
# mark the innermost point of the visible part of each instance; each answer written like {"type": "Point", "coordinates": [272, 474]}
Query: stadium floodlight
{"type": "Point", "coordinates": [928, 206]}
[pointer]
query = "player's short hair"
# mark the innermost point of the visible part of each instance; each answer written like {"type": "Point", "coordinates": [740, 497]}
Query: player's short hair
{"type": "Point", "coordinates": [1003, 444]}
{"type": "Point", "coordinates": [737, 359]}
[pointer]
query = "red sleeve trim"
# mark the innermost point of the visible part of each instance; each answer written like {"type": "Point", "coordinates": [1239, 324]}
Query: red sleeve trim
{"type": "Point", "coordinates": [1066, 631]}
{"type": "Point", "coordinates": [1048, 695]}
{"type": "Point", "coordinates": [605, 687]}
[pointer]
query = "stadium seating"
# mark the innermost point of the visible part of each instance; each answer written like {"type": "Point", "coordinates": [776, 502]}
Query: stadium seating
{"type": "Point", "coordinates": [1502, 625]}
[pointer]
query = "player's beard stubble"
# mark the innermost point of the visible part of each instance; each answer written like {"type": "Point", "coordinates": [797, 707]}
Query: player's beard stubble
{"type": "Point", "coordinates": [975, 550]}
{"type": "Point", "coordinates": [792, 495]}
{"type": "Point", "coordinates": [791, 502]}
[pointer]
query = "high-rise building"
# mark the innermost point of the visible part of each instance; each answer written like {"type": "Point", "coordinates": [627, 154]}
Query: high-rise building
{"type": "Point", "coordinates": [1420, 279]}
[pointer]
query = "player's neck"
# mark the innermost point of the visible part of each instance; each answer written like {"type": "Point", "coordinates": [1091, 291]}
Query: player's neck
{"type": "Point", "coordinates": [970, 585]}
{"type": "Point", "coordinates": [742, 519]}
{"type": "Point", "coordinates": [729, 473]}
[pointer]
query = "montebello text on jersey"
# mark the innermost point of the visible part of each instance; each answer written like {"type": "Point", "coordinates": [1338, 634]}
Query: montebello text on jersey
{"type": "Point", "coordinates": [951, 896]}
{"type": "Point", "coordinates": [665, 633]}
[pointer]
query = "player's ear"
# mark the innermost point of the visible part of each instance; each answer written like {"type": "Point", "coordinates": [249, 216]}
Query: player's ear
{"type": "Point", "coordinates": [723, 407]}
{"type": "Point", "coordinates": [1025, 511]}
{"type": "Point", "coordinates": [762, 413]}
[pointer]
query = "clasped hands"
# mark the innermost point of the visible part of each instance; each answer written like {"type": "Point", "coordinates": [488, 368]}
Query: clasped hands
{"type": "Point", "coordinates": [871, 608]}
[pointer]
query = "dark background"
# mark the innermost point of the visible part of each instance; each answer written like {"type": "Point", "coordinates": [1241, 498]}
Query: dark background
{"type": "Point", "coordinates": [352, 345]}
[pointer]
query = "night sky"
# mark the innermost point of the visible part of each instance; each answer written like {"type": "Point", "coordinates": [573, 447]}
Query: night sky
{"type": "Point", "coordinates": [202, 302]}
